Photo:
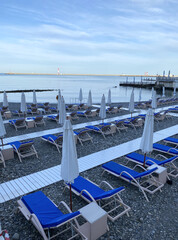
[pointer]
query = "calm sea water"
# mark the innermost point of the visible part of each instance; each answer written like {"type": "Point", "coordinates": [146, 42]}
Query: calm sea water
{"type": "Point", "coordinates": [70, 86]}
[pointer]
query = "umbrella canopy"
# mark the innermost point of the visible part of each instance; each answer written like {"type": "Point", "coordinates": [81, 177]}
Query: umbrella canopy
{"type": "Point", "coordinates": [62, 112]}
{"type": "Point", "coordinates": [102, 113]}
{"type": "Point", "coordinates": [89, 102]}
{"type": "Point", "coordinates": [69, 162]}
{"type": "Point", "coordinates": [2, 129]}
{"type": "Point", "coordinates": [146, 144]}
{"type": "Point", "coordinates": [131, 103]}
{"type": "Point", "coordinates": [163, 94]}
{"type": "Point", "coordinates": [154, 101]}
{"type": "Point", "coordinates": [23, 106]}
{"type": "Point", "coordinates": [80, 96]}
{"type": "Point", "coordinates": [59, 100]}
{"type": "Point", "coordinates": [5, 102]}
{"type": "Point", "coordinates": [140, 95]}
{"type": "Point", "coordinates": [109, 97]}
{"type": "Point", "coordinates": [174, 91]}
{"type": "Point", "coordinates": [34, 97]}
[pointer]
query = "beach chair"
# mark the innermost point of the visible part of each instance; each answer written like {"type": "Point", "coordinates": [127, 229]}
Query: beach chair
{"type": "Point", "coordinates": [19, 113]}
{"type": "Point", "coordinates": [86, 114]}
{"type": "Point", "coordinates": [39, 120]}
{"type": "Point", "coordinates": [133, 122]}
{"type": "Point", "coordinates": [46, 216]}
{"type": "Point", "coordinates": [47, 109]}
{"type": "Point", "coordinates": [74, 116]}
{"type": "Point", "coordinates": [172, 169]}
{"type": "Point", "coordinates": [144, 180]}
{"type": "Point", "coordinates": [33, 111]}
{"type": "Point", "coordinates": [103, 128]}
{"type": "Point", "coordinates": [55, 140]}
{"type": "Point", "coordinates": [171, 140]}
{"type": "Point", "coordinates": [83, 136]}
{"type": "Point", "coordinates": [109, 200]}
{"type": "Point", "coordinates": [159, 117]}
{"type": "Point", "coordinates": [18, 123]}
{"type": "Point", "coordinates": [53, 117]}
{"type": "Point", "coordinates": [53, 109]}
{"type": "Point", "coordinates": [120, 126]}
{"type": "Point", "coordinates": [24, 149]}
{"type": "Point", "coordinates": [165, 149]}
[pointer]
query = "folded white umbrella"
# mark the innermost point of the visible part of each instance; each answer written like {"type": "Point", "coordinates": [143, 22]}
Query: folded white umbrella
{"type": "Point", "coordinates": [154, 101]}
{"type": "Point", "coordinates": [131, 103]}
{"type": "Point", "coordinates": [163, 95]}
{"type": "Point", "coordinates": [69, 162]}
{"type": "Point", "coordinates": [34, 97]}
{"type": "Point", "coordinates": [109, 97]}
{"type": "Point", "coordinates": [174, 91]}
{"type": "Point", "coordinates": [102, 112]}
{"type": "Point", "coordinates": [5, 102]}
{"type": "Point", "coordinates": [89, 102]}
{"type": "Point", "coordinates": [23, 106]}
{"type": "Point", "coordinates": [62, 112]}
{"type": "Point", "coordinates": [146, 144]}
{"type": "Point", "coordinates": [2, 129]}
{"type": "Point", "coordinates": [59, 100]}
{"type": "Point", "coordinates": [80, 96]}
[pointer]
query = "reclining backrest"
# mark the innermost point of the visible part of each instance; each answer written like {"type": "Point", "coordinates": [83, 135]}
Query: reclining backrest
{"type": "Point", "coordinates": [19, 121]}
{"type": "Point", "coordinates": [25, 146]}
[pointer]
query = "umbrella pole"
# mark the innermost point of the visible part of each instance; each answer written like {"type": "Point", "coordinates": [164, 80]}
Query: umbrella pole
{"type": "Point", "coordinates": [131, 115]}
{"type": "Point", "coordinates": [2, 141]}
{"type": "Point", "coordinates": [70, 198]}
{"type": "Point", "coordinates": [144, 160]}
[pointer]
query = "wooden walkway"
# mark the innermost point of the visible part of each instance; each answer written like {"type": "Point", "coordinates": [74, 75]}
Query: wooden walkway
{"type": "Point", "coordinates": [32, 182]}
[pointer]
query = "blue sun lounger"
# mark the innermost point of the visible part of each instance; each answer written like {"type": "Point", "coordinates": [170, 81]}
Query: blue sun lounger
{"type": "Point", "coordinates": [92, 192]}
{"type": "Point", "coordinates": [45, 215]}
{"type": "Point", "coordinates": [24, 149]}
{"type": "Point", "coordinates": [103, 128]}
{"type": "Point", "coordinates": [171, 140]}
{"type": "Point", "coordinates": [167, 162]}
{"type": "Point", "coordinates": [144, 180]}
{"type": "Point", "coordinates": [53, 117]}
{"type": "Point", "coordinates": [18, 123]}
{"type": "Point", "coordinates": [55, 140]}
{"type": "Point", "coordinates": [165, 149]}
{"type": "Point", "coordinates": [83, 136]}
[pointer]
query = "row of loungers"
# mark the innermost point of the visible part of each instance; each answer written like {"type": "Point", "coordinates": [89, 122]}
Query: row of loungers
{"type": "Point", "coordinates": [33, 206]}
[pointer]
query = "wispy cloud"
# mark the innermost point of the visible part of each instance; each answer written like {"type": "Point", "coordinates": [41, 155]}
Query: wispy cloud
{"type": "Point", "coordinates": [118, 32]}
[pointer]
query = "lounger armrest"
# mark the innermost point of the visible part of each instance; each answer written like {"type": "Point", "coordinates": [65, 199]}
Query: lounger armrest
{"type": "Point", "coordinates": [65, 205]}
{"type": "Point", "coordinates": [84, 190]}
{"type": "Point", "coordinates": [110, 193]}
{"type": "Point", "coordinates": [160, 155]}
{"type": "Point", "coordinates": [139, 166]}
{"type": "Point", "coordinates": [106, 183]}
{"type": "Point", "coordinates": [172, 149]}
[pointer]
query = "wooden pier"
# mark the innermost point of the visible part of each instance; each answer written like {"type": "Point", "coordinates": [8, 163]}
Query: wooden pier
{"type": "Point", "coordinates": [138, 84]}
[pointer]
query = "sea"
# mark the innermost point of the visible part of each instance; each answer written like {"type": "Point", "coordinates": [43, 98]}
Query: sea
{"type": "Point", "coordinates": [70, 86]}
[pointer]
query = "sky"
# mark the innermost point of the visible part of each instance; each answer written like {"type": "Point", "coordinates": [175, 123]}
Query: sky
{"type": "Point", "coordinates": [89, 36]}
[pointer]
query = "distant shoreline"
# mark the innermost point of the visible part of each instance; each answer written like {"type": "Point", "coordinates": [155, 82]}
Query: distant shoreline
{"type": "Point", "coordinates": [73, 74]}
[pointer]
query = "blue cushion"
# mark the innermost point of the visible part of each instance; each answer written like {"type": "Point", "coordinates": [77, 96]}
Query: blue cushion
{"type": "Point", "coordinates": [165, 148]}
{"type": "Point", "coordinates": [140, 158]}
{"type": "Point", "coordinates": [18, 143]}
{"type": "Point", "coordinates": [49, 137]}
{"type": "Point", "coordinates": [170, 139]}
{"type": "Point", "coordinates": [93, 128]}
{"type": "Point", "coordinates": [118, 169]}
{"type": "Point", "coordinates": [45, 210]}
{"type": "Point", "coordinates": [96, 192]}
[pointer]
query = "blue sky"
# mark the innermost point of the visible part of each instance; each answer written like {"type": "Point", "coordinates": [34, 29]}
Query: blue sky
{"type": "Point", "coordinates": [89, 36]}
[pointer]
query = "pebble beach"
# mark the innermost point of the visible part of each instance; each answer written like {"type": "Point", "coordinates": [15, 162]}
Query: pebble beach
{"type": "Point", "coordinates": [156, 219]}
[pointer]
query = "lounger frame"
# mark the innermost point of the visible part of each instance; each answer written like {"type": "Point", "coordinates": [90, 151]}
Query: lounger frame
{"type": "Point", "coordinates": [46, 236]}
{"type": "Point", "coordinates": [24, 151]}
{"type": "Point", "coordinates": [144, 185]}
{"type": "Point", "coordinates": [106, 203]}
{"type": "Point", "coordinates": [172, 169]}
{"type": "Point", "coordinates": [50, 140]}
